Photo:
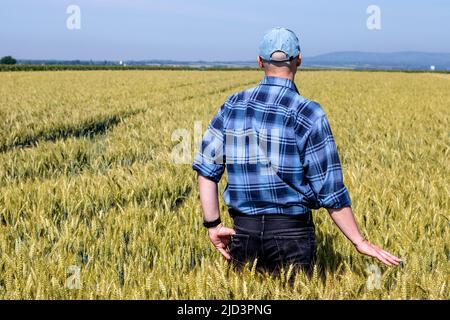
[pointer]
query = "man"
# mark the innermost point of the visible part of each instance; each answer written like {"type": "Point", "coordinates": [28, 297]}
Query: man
{"type": "Point", "coordinates": [281, 162]}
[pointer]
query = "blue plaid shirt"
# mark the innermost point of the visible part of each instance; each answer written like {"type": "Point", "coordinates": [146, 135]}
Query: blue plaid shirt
{"type": "Point", "coordinates": [278, 149]}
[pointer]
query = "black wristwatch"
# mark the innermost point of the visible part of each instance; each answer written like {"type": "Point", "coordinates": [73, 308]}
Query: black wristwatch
{"type": "Point", "coordinates": [212, 224]}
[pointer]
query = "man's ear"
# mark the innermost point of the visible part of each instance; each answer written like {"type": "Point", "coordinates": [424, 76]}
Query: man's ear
{"type": "Point", "coordinates": [260, 62]}
{"type": "Point", "coordinates": [299, 60]}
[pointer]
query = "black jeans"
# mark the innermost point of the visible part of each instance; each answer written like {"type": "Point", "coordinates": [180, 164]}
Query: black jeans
{"type": "Point", "coordinates": [275, 240]}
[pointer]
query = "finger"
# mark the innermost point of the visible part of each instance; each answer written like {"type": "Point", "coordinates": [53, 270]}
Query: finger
{"type": "Point", "coordinates": [377, 254]}
{"type": "Point", "coordinates": [224, 253]}
{"type": "Point", "coordinates": [226, 241]}
{"type": "Point", "coordinates": [224, 232]}
{"type": "Point", "coordinates": [393, 261]}
{"type": "Point", "coordinates": [393, 257]}
{"type": "Point", "coordinates": [382, 259]}
{"type": "Point", "coordinates": [389, 256]}
{"type": "Point", "coordinates": [382, 253]}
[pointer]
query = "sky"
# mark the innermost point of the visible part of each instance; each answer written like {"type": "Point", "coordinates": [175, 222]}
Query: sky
{"type": "Point", "coordinates": [215, 30]}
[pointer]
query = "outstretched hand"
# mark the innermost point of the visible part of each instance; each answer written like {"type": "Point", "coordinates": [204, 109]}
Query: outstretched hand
{"type": "Point", "coordinates": [345, 220]}
{"type": "Point", "coordinates": [220, 237]}
{"type": "Point", "coordinates": [371, 250]}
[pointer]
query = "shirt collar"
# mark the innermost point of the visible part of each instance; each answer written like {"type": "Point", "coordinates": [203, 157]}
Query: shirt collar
{"type": "Point", "coordinates": [277, 81]}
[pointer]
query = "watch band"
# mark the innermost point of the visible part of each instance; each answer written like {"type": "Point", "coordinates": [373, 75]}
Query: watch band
{"type": "Point", "coordinates": [211, 224]}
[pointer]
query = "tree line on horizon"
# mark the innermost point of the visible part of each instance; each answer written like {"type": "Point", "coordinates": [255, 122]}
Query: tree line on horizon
{"type": "Point", "coordinates": [9, 60]}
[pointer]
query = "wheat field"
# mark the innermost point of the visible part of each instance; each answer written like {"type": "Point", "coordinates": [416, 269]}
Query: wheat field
{"type": "Point", "coordinates": [88, 187]}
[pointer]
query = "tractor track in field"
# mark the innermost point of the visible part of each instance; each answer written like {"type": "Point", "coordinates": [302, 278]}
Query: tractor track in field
{"type": "Point", "coordinates": [89, 128]}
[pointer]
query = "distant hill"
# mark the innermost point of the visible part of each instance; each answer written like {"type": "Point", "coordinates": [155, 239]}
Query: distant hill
{"type": "Point", "coordinates": [371, 60]}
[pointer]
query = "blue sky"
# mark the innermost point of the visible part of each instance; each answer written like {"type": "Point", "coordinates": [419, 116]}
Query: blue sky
{"type": "Point", "coordinates": [215, 30]}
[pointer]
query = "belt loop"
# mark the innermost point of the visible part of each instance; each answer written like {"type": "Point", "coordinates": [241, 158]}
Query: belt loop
{"type": "Point", "coordinates": [262, 226]}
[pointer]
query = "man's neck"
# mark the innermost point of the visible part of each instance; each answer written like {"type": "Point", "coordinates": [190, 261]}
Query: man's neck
{"type": "Point", "coordinates": [289, 76]}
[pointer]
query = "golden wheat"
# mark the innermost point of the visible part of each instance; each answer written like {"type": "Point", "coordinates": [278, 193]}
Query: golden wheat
{"type": "Point", "coordinates": [86, 180]}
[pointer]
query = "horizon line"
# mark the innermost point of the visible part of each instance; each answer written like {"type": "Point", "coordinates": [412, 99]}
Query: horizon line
{"type": "Point", "coordinates": [230, 61]}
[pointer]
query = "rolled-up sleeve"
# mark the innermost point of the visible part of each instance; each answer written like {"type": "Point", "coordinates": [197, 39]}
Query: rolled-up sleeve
{"type": "Point", "coordinates": [209, 161]}
{"type": "Point", "coordinates": [322, 167]}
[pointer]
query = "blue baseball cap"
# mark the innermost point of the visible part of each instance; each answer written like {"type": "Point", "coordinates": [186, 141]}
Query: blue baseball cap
{"type": "Point", "coordinates": [279, 39]}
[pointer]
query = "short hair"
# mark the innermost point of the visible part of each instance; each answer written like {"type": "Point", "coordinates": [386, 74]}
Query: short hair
{"type": "Point", "coordinates": [280, 55]}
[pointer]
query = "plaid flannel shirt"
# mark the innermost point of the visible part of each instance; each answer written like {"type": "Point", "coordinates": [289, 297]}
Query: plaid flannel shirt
{"type": "Point", "coordinates": [278, 150]}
